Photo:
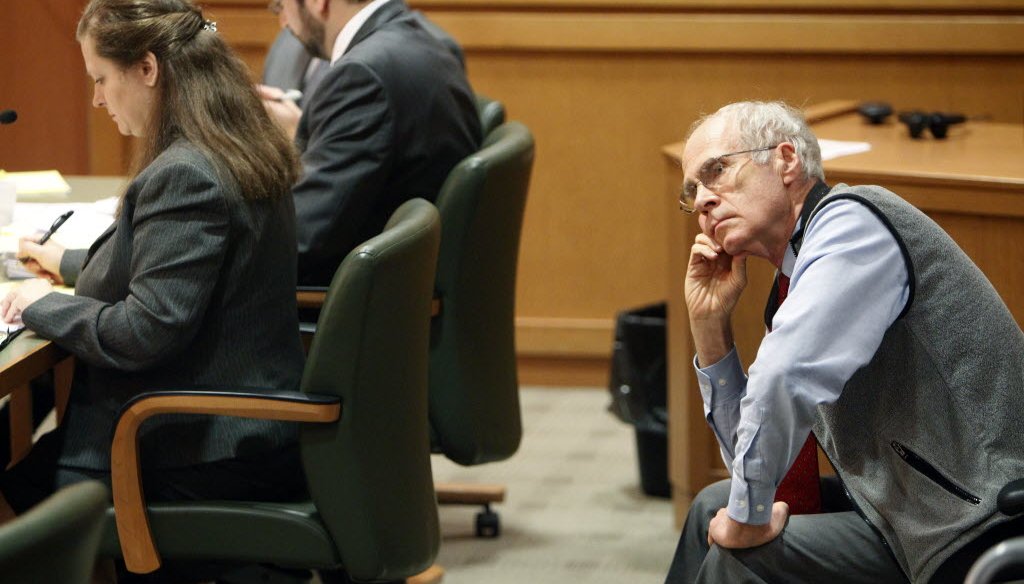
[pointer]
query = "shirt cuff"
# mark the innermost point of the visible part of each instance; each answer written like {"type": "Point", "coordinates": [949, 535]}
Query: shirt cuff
{"type": "Point", "coordinates": [721, 382]}
{"type": "Point", "coordinates": [71, 265]}
{"type": "Point", "coordinates": [750, 503]}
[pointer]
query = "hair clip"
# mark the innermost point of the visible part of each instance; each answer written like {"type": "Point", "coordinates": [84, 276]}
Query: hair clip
{"type": "Point", "coordinates": [210, 25]}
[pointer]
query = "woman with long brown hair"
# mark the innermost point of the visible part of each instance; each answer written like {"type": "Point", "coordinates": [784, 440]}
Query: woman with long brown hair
{"type": "Point", "coordinates": [192, 287]}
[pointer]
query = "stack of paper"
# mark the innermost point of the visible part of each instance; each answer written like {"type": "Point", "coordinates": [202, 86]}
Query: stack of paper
{"type": "Point", "coordinates": [37, 185]}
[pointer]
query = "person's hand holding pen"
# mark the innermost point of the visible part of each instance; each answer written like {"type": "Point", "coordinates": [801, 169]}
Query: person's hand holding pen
{"type": "Point", "coordinates": [280, 104]}
{"type": "Point", "coordinates": [42, 260]}
{"type": "Point", "coordinates": [43, 257]}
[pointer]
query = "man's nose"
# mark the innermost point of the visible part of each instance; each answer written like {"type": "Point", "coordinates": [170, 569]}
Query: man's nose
{"type": "Point", "coordinates": [706, 199]}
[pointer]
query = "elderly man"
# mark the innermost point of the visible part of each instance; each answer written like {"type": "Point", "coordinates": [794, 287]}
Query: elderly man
{"type": "Point", "coordinates": [392, 116]}
{"type": "Point", "coordinates": [890, 345]}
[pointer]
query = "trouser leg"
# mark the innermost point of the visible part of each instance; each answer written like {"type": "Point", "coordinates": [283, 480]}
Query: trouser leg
{"type": "Point", "coordinates": [838, 548]}
{"type": "Point", "coordinates": [693, 542]}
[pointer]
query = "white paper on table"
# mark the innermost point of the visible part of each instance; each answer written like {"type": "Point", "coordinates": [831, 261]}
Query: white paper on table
{"type": "Point", "coordinates": [79, 231]}
{"type": "Point", "coordinates": [835, 148]}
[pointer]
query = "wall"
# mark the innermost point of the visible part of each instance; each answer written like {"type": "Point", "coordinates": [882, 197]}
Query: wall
{"type": "Point", "coordinates": [42, 77]}
{"type": "Point", "coordinates": [604, 84]}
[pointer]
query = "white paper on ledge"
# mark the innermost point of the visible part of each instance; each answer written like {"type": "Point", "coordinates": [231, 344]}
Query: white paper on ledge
{"type": "Point", "coordinates": [79, 231]}
{"type": "Point", "coordinates": [835, 148]}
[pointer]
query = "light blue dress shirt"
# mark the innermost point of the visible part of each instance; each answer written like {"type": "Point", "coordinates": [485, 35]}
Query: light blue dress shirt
{"type": "Point", "coordinates": [848, 285]}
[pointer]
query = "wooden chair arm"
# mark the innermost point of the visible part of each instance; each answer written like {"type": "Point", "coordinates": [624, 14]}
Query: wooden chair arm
{"type": "Point", "coordinates": [310, 296]}
{"type": "Point", "coordinates": [468, 494]}
{"type": "Point", "coordinates": [140, 553]}
{"type": "Point", "coordinates": [314, 296]}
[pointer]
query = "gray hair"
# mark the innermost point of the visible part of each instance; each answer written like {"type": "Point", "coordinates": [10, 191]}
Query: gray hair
{"type": "Point", "coordinates": [766, 123]}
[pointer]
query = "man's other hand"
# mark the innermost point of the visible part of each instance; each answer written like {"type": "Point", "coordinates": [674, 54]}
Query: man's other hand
{"type": "Point", "coordinates": [729, 533]}
{"type": "Point", "coordinates": [283, 111]}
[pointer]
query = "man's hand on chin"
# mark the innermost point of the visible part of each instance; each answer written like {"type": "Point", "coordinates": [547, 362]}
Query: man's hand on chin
{"type": "Point", "coordinates": [729, 533]}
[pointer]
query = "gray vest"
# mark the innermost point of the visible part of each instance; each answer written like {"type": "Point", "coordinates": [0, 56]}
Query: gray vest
{"type": "Point", "coordinates": [927, 432]}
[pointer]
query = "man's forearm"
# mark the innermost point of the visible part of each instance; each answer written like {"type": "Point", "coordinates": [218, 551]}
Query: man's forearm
{"type": "Point", "coordinates": [713, 340]}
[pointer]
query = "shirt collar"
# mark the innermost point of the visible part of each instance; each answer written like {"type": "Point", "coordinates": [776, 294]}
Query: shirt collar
{"type": "Point", "coordinates": [789, 260]}
{"type": "Point", "coordinates": [348, 32]}
{"type": "Point", "coordinates": [814, 197]}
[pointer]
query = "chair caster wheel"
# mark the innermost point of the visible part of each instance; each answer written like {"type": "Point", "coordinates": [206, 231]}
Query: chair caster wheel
{"type": "Point", "coordinates": [488, 524]}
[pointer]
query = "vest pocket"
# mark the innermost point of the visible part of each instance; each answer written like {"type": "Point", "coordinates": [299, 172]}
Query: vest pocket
{"type": "Point", "coordinates": [924, 467]}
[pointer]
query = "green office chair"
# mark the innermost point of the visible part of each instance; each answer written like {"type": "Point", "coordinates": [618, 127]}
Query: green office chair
{"type": "Point", "coordinates": [491, 112]}
{"type": "Point", "coordinates": [474, 391]}
{"type": "Point", "coordinates": [1005, 561]}
{"type": "Point", "coordinates": [363, 398]}
{"type": "Point", "coordinates": [56, 541]}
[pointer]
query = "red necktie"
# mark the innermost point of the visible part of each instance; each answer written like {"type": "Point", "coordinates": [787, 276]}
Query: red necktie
{"type": "Point", "coordinates": [801, 487]}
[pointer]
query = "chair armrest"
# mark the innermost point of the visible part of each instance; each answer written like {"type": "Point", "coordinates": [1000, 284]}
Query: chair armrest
{"type": "Point", "coordinates": [1011, 498]}
{"type": "Point", "coordinates": [314, 297]}
{"type": "Point", "coordinates": [310, 296]}
{"type": "Point", "coordinates": [140, 553]}
{"type": "Point", "coordinates": [993, 561]}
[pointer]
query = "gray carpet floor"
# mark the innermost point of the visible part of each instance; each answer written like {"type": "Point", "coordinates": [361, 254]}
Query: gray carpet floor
{"type": "Point", "coordinates": [574, 511]}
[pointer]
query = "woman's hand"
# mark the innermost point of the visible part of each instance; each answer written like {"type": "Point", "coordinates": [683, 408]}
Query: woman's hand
{"type": "Point", "coordinates": [43, 260]}
{"type": "Point", "coordinates": [21, 297]}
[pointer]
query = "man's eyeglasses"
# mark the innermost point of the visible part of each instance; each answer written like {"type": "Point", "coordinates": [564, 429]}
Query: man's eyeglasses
{"type": "Point", "coordinates": [710, 175]}
{"type": "Point", "coordinates": [275, 6]}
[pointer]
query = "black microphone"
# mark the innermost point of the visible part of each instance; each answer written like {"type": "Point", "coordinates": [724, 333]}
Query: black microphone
{"type": "Point", "coordinates": [8, 116]}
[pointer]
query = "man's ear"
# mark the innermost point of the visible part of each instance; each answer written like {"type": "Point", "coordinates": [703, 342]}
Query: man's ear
{"type": "Point", "coordinates": [149, 68]}
{"type": "Point", "coordinates": [789, 164]}
{"type": "Point", "coordinates": [320, 8]}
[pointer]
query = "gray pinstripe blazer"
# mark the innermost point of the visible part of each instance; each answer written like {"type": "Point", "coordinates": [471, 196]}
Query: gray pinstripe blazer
{"type": "Point", "coordinates": [191, 287]}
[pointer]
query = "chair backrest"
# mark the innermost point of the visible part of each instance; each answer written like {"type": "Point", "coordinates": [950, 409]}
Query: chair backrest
{"type": "Point", "coordinates": [369, 474]}
{"type": "Point", "coordinates": [491, 112]}
{"type": "Point", "coordinates": [56, 541]}
{"type": "Point", "coordinates": [474, 391]}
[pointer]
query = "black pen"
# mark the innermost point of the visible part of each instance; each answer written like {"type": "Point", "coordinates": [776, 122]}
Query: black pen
{"type": "Point", "coordinates": [56, 225]}
{"type": "Point", "coordinates": [10, 337]}
{"type": "Point", "coordinates": [49, 232]}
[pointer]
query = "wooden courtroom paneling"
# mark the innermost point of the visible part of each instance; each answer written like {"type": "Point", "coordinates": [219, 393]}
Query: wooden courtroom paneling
{"type": "Point", "coordinates": [43, 78]}
{"type": "Point", "coordinates": [757, 5]}
{"type": "Point", "coordinates": [604, 84]}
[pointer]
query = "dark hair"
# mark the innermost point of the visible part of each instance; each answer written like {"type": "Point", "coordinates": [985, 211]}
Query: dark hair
{"type": "Point", "coordinates": [205, 95]}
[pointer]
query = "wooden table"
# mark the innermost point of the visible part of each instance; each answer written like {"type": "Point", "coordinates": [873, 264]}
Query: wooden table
{"type": "Point", "coordinates": [972, 184]}
{"type": "Point", "coordinates": [26, 358]}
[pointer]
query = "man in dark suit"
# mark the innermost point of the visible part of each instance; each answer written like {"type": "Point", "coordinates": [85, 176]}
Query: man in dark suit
{"type": "Point", "coordinates": [290, 66]}
{"type": "Point", "coordinates": [391, 117]}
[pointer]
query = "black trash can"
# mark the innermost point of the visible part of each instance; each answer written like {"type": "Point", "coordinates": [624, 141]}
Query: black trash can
{"type": "Point", "coordinates": [638, 386]}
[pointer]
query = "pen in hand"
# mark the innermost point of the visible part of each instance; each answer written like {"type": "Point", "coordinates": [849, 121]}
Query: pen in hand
{"type": "Point", "coordinates": [290, 95]}
{"type": "Point", "coordinates": [56, 225]}
{"type": "Point", "coordinates": [49, 232]}
{"type": "Point", "coordinates": [11, 335]}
